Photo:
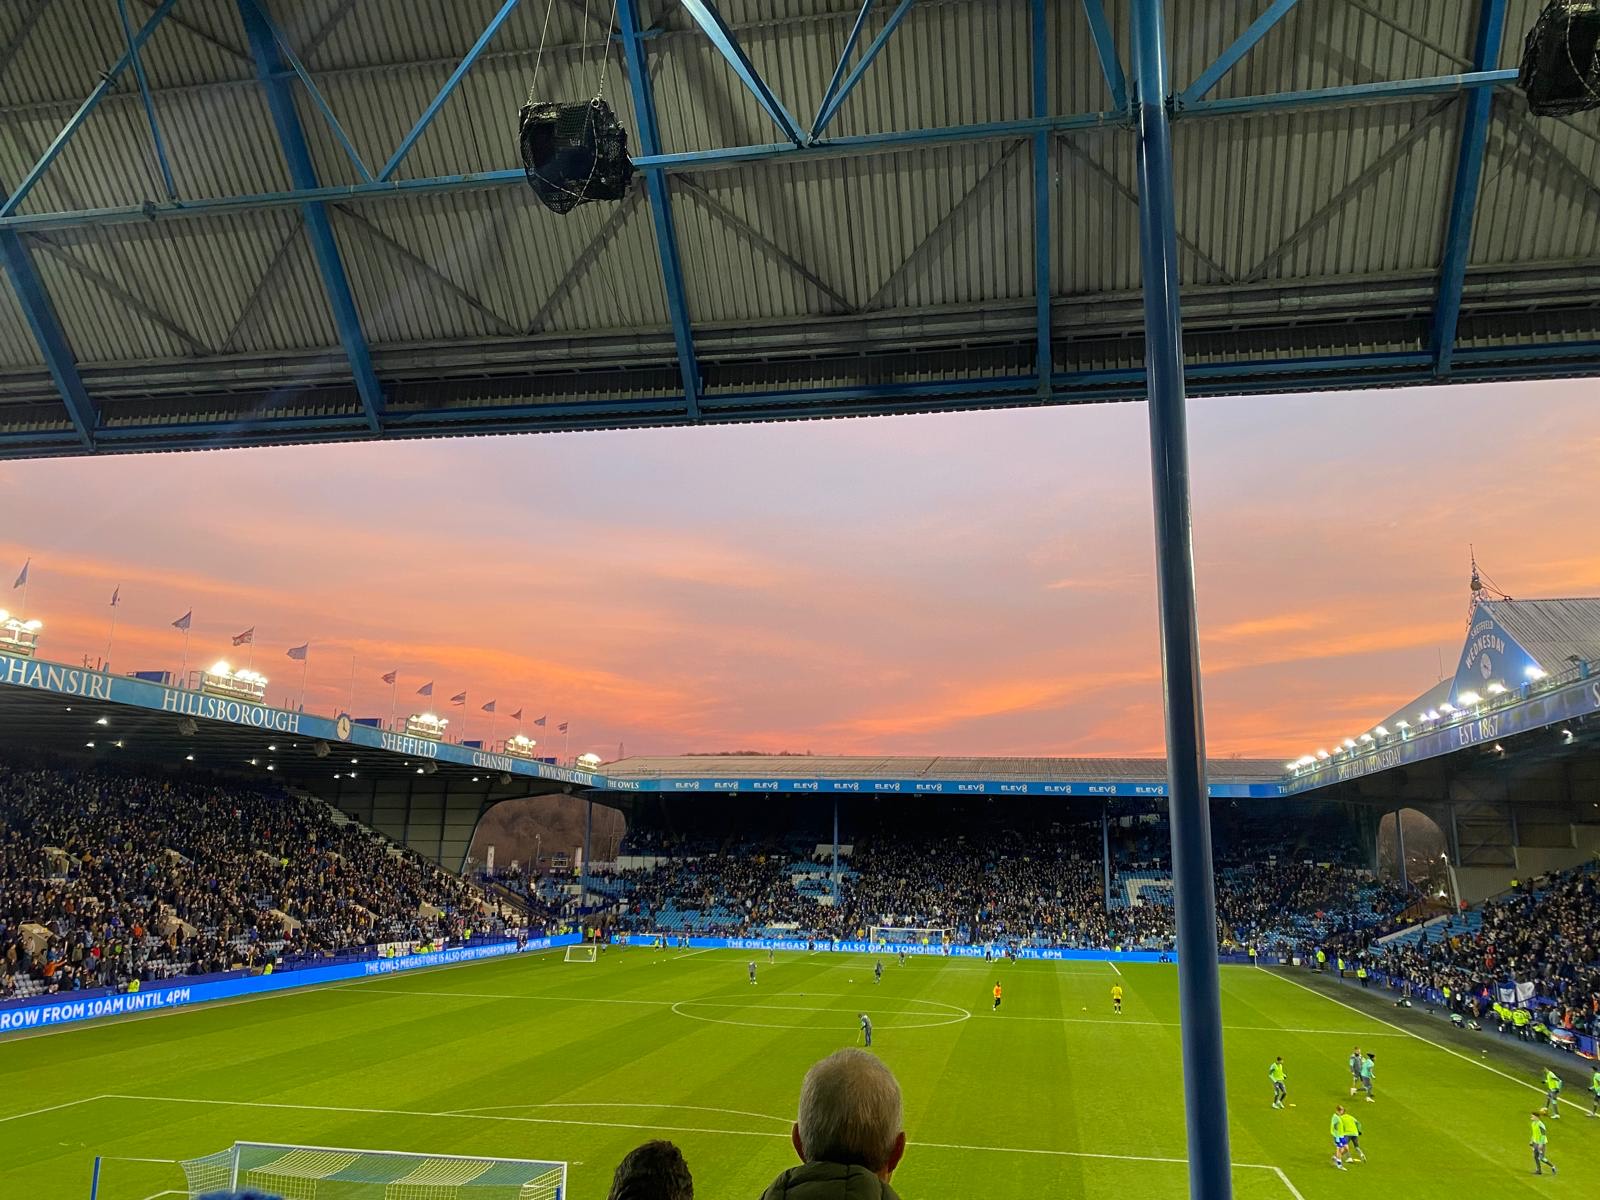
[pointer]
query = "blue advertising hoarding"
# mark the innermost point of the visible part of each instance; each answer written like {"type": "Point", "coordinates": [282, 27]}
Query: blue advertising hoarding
{"type": "Point", "coordinates": [933, 787]}
{"type": "Point", "coordinates": [825, 946]}
{"type": "Point", "coordinates": [65, 1008]}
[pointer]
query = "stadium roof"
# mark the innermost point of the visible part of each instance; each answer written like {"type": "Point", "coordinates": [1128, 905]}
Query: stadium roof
{"type": "Point", "coordinates": [1484, 704]}
{"type": "Point", "coordinates": [1363, 200]}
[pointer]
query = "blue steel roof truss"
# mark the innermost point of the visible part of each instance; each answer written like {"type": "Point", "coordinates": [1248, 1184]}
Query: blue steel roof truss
{"type": "Point", "coordinates": [278, 66]}
{"type": "Point", "coordinates": [270, 70]}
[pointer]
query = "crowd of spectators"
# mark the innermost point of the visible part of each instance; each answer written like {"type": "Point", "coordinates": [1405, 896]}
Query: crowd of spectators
{"type": "Point", "coordinates": [1544, 932]}
{"type": "Point", "coordinates": [108, 878]}
{"type": "Point", "coordinates": [1043, 886]}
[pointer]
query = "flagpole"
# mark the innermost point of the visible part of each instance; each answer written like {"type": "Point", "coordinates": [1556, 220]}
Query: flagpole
{"type": "Point", "coordinates": [394, 698]}
{"type": "Point", "coordinates": [351, 706]}
{"type": "Point", "coordinates": [305, 665]}
{"type": "Point", "coordinates": [250, 659]}
{"type": "Point", "coordinates": [183, 671]}
{"type": "Point", "coordinates": [493, 717]}
{"type": "Point", "coordinates": [566, 745]}
{"type": "Point", "coordinates": [110, 637]}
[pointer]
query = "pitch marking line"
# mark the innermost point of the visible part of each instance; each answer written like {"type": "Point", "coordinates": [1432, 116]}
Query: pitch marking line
{"type": "Point", "coordinates": [1409, 1033]}
{"type": "Point", "coordinates": [394, 991]}
{"type": "Point", "coordinates": [466, 1115]}
{"type": "Point", "coordinates": [34, 1112]}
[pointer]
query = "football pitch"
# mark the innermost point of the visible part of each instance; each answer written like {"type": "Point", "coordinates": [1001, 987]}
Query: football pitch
{"type": "Point", "coordinates": [533, 1057]}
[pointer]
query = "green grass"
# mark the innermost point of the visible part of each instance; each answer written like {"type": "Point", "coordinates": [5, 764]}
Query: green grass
{"type": "Point", "coordinates": [536, 1058]}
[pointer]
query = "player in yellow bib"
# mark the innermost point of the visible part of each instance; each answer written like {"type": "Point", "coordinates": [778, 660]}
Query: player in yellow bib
{"type": "Point", "coordinates": [1116, 997]}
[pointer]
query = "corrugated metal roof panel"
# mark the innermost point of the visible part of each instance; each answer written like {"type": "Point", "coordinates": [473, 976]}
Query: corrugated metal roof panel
{"type": "Point", "coordinates": [1553, 631]}
{"type": "Point", "coordinates": [17, 347]}
{"type": "Point", "coordinates": [1540, 198]}
{"type": "Point", "coordinates": [1323, 45]}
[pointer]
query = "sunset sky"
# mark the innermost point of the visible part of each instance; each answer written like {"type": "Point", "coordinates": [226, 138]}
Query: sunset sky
{"type": "Point", "coordinates": [974, 584]}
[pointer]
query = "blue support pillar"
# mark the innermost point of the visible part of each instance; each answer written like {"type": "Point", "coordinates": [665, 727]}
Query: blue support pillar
{"type": "Point", "coordinates": [1464, 198]}
{"type": "Point", "coordinates": [644, 111]}
{"type": "Point", "coordinates": [588, 840]}
{"type": "Point", "coordinates": [1400, 849]}
{"type": "Point", "coordinates": [272, 73]}
{"type": "Point", "coordinates": [1044, 355]}
{"type": "Point", "coordinates": [1105, 854]}
{"type": "Point", "coordinates": [836, 852]}
{"type": "Point", "coordinates": [1199, 992]}
{"type": "Point", "coordinates": [51, 338]}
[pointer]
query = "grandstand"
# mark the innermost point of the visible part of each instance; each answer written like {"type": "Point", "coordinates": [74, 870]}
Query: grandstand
{"type": "Point", "coordinates": [272, 222]}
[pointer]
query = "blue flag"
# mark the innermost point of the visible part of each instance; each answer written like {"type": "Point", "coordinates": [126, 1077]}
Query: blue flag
{"type": "Point", "coordinates": [540, 721]}
{"type": "Point", "coordinates": [460, 698]}
{"type": "Point", "coordinates": [426, 689]}
{"type": "Point", "coordinates": [298, 653]}
{"type": "Point", "coordinates": [561, 728]}
{"type": "Point", "coordinates": [116, 597]}
{"type": "Point", "coordinates": [489, 707]}
{"type": "Point", "coordinates": [22, 578]}
{"type": "Point", "coordinates": [183, 621]}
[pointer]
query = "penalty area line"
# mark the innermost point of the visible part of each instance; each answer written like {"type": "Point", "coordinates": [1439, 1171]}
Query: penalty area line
{"type": "Point", "coordinates": [35, 1112]}
{"type": "Point", "coordinates": [464, 1115]}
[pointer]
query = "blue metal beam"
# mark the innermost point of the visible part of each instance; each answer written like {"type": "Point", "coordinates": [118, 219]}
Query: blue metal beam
{"type": "Point", "coordinates": [1105, 47]}
{"type": "Point", "coordinates": [319, 230]}
{"type": "Point", "coordinates": [45, 325]}
{"type": "Point", "coordinates": [317, 98]}
{"type": "Point", "coordinates": [1041, 201]}
{"type": "Point", "coordinates": [108, 81]}
{"type": "Point", "coordinates": [644, 113]}
{"type": "Point", "coordinates": [874, 48]}
{"type": "Point", "coordinates": [1230, 57]}
{"type": "Point", "coordinates": [709, 19]}
{"type": "Point", "coordinates": [1464, 199]}
{"type": "Point", "coordinates": [1205, 1089]}
{"type": "Point", "coordinates": [449, 87]}
{"type": "Point", "coordinates": [1354, 93]}
{"type": "Point", "coordinates": [715, 159]}
{"type": "Point", "coordinates": [843, 65]}
{"type": "Point", "coordinates": [162, 161]}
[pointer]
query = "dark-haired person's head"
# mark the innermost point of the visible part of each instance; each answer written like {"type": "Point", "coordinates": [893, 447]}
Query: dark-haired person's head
{"type": "Point", "coordinates": [653, 1171]}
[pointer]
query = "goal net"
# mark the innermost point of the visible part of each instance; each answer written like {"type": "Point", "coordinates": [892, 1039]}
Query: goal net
{"type": "Point", "coordinates": [326, 1173]}
{"type": "Point", "coordinates": [582, 954]}
{"type": "Point", "coordinates": [909, 935]}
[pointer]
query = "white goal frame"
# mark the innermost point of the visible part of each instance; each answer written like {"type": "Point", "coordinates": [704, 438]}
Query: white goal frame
{"type": "Point", "coordinates": [296, 1171]}
{"type": "Point", "coordinates": [586, 953]}
{"type": "Point", "coordinates": [936, 935]}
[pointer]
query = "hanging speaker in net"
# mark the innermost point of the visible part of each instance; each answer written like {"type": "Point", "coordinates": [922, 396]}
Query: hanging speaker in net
{"type": "Point", "coordinates": [1561, 59]}
{"type": "Point", "coordinates": [574, 153]}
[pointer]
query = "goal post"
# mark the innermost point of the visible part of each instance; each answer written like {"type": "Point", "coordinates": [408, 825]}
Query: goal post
{"type": "Point", "coordinates": [332, 1173]}
{"type": "Point", "coordinates": [909, 935]}
{"type": "Point", "coordinates": [584, 954]}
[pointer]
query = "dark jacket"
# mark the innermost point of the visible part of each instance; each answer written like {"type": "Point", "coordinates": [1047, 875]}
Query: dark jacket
{"type": "Point", "coordinates": [828, 1181]}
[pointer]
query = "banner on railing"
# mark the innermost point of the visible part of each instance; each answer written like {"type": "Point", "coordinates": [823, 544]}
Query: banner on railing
{"type": "Point", "coordinates": [824, 945]}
